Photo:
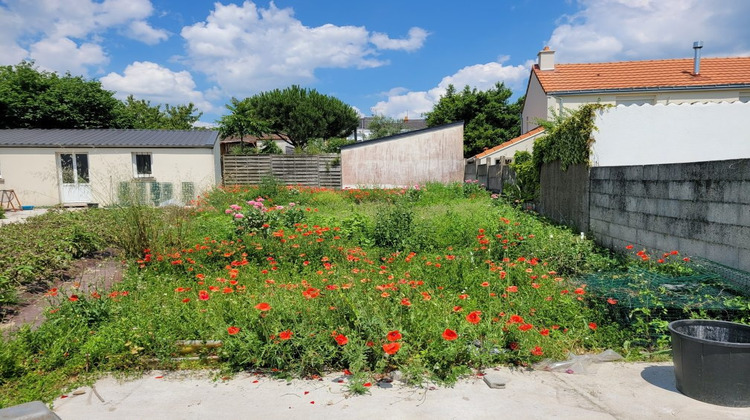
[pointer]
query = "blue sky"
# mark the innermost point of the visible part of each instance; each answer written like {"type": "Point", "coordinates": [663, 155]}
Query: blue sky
{"type": "Point", "coordinates": [383, 57]}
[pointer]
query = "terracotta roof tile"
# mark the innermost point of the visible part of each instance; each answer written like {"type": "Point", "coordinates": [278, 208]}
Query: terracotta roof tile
{"type": "Point", "coordinates": [510, 142]}
{"type": "Point", "coordinates": [645, 74]}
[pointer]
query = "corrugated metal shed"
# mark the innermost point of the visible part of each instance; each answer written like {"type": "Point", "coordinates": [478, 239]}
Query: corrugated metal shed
{"type": "Point", "coordinates": [108, 138]}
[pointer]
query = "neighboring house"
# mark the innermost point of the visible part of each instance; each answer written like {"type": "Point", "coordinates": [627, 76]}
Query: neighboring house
{"type": "Point", "coordinates": [504, 152]}
{"type": "Point", "coordinates": [251, 141]}
{"type": "Point", "coordinates": [74, 167]}
{"type": "Point", "coordinates": [553, 87]}
{"type": "Point", "coordinates": [363, 130]}
{"type": "Point", "coordinates": [429, 155]}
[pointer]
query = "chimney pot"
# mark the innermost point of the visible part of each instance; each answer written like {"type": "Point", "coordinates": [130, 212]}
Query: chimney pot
{"type": "Point", "coordinates": [697, 45]}
{"type": "Point", "coordinates": [546, 59]}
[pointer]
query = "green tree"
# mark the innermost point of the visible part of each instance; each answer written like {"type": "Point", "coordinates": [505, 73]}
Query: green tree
{"type": "Point", "coordinates": [241, 122]}
{"type": "Point", "coordinates": [302, 114]}
{"type": "Point", "coordinates": [489, 119]}
{"type": "Point", "coordinates": [382, 126]}
{"type": "Point", "coordinates": [140, 114]}
{"type": "Point", "coordinates": [30, 98]}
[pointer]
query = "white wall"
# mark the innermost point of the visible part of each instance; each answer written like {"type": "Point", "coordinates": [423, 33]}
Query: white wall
{"type": "Point", "coordinates": [434, 155]}
{"type": "Point", "coordinates": [34, 175]}
{"type": "Point", "coordinates": [676, 133]}
{"type": "Point", "coordinates": [536, 105]}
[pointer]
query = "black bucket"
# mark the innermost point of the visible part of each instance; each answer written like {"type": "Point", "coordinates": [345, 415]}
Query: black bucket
{"type": "Point", "coordinates": [712, 361]}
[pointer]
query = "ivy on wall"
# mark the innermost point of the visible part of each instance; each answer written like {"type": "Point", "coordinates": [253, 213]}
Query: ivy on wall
{"type": "Point", "coordinates": [568, 138]}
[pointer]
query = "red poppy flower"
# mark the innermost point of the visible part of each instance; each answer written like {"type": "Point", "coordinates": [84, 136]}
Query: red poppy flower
{"type": "Point", "coordinates": [406, 302]}
{"type": "Point", "coordinates": [186, 300]}
{"type": "Point", "coordinates": [473, 317]}
{"type": "Point", "coordinates": [537, 351]}
{"type": "Point", "coordinates": [485, 284]}
{"type": "Point", "coordinates": [233, 330]}
{"type": "Point", "coordinates": [394, 335]}
{"type": "Point", "coordinates": [391, 348]}
{"type": "Point", "coordinates": [341, 339]}
{"type": "Point", "coordinates": [579, 291]}
{"type": "Point", "coordinates": [629, 247]}
{"type": "Point", "coordinates": [525, 327]}
{"type": "Point", "coordinates": [449, 334]}
{"type": "Point", "coordinates": [612, 301]}
{"type": "Point", "coordinates": [593, 325]}
{"type": "Point", "coordinates": [286, 335]}
{"type": "Point", "coordinates": [311, 293]}
{"type": "Point", "coordinates": [516, 319]}
{"type": "Point", "coordinates": [203, 295]}
{"type": "Point", "coordinates": [457, 309]}
{"type": "Point", "coordinates": [263, 306]}
{"type": "Point", "coordinates": [512, 289]}
{"type": "Point", "coordinates": [73, 298]}
{"type": "Point", "coordinates": [544, 331]}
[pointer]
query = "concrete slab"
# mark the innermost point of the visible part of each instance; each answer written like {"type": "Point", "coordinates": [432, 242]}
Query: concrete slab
{"type": "Point", "coordinates": [613, 391]}
{"type": "Point", "coordinates": [34, 410]}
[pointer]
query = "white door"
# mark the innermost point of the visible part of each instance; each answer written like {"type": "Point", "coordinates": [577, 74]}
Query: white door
{"type": "Point", "coordinates": [74, 173]}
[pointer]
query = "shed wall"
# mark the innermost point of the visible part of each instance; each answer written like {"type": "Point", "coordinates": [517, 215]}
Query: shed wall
{"type": "Point", "coordinates": [434, 155]}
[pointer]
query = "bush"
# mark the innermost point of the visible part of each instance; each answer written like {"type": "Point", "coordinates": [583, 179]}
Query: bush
{"type": "Point", "coordinates": [393, 227]}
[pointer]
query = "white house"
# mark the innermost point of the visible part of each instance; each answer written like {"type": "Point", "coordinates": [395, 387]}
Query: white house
{"type": "Point", "coordinates": [504, 152]}
{"type": "Point", "coordinates": [73, 167]}
{"type": "Point", "coordinates": [553, 87]}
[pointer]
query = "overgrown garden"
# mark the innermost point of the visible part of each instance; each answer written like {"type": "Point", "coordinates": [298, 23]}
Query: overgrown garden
{"type": "Point", "coordinates": [434, 281]}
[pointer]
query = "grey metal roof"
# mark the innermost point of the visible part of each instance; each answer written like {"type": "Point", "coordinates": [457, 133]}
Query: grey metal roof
{"type": "Point", "coordinates": [400, 135]}
{"type": "Point", "coordinates": [108, 138]}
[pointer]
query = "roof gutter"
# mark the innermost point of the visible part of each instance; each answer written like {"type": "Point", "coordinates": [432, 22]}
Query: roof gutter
{"type": "Point", "coordinates": [650, 89]}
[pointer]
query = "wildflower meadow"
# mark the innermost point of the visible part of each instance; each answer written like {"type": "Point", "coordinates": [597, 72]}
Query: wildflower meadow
{"type": "Point", "coordinates": [435, 281]}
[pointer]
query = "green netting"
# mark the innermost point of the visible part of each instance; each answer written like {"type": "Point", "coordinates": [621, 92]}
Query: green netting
{"type": "Point", "coordinates": [706, 289]}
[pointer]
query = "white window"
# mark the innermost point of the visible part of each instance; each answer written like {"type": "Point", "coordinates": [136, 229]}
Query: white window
{"type": "Point", "coordinates": [142, 165]}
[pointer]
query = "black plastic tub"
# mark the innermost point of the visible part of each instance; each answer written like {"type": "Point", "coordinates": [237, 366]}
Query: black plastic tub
{"type": "Point", "coordinates": [712, 361]}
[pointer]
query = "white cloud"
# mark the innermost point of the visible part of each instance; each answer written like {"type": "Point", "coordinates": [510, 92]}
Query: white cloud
{"type": "Point", "coordinates": [142, 31]}
{"type": "Point", "coordinates": [246, 49]}
{"type": "Point", "coordinates": [65, 35]}
{"type": "Point", "coordinates": [479, 76]}
{"type": "Point", "coordinates": [160, 85]}
{"type": "Point", "coordinates": [415, 41]}
{"type": "Point", "coordinates": [62, 54]}
{"type": "Point", "coordinates": [607, 30]}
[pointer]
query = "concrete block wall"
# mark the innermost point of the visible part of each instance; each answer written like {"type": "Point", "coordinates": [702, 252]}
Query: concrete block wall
{"type": "Point", "coordinates": [700, 209]}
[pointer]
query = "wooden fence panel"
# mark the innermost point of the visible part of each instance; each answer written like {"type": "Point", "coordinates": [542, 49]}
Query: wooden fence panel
{"type": "Point", "coordinates": [311, 170]}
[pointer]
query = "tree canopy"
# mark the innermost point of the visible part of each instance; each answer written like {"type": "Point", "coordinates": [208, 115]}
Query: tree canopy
{"type": "Point", "coordinates": [301, 114]}
{"type": "Point", "coordinates": [241, 122]}
{"type": "Point", "coordinates": [382, 126]}
{"type": "Point", "coordinates": [488, 117]}
{"type": "Point", "coordinates": [139, 113]}
{"type": "Point", "coordinates": [30, 98]}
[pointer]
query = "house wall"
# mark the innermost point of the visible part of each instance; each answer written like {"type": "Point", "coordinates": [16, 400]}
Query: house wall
{"type": "Point", "coordinates": [540, 105]}
{"type": "Point", "coordinates": [432, 155]}
{"type": "Point", "coordinates": [33, 172]}
{"type": "Point", "coordinates": [535, 106]}
{"type": "Point", "coordinates": [654, 134]}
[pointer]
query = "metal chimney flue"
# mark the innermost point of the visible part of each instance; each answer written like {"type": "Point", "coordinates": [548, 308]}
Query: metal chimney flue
{"type": "Point", "coordinates": [697, 45]}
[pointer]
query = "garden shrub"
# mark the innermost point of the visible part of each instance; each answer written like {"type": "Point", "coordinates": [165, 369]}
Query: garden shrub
{"type": "Point", "coordinates": [393, 227]}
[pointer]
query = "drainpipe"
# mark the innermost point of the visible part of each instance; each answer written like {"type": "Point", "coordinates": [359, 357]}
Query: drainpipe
{"type": "Point", "coordinates": [697, 45]}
